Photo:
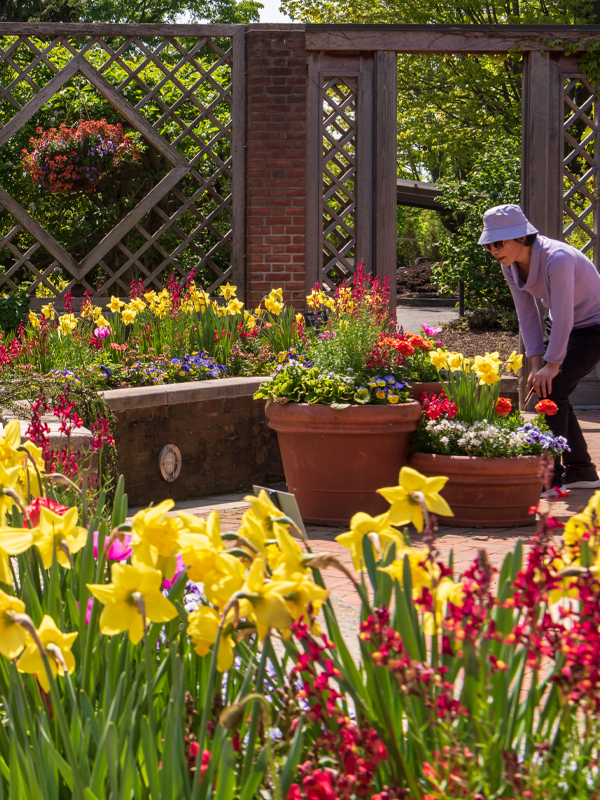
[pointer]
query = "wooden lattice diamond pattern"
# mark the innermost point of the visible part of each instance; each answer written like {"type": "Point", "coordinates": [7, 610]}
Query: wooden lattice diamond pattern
{"type": "Point", "coordinates": [177, 93]}
{"type": "Point", "coordinates": [580, 165]}
{"type": "Point", "coordinates": [339, 97]}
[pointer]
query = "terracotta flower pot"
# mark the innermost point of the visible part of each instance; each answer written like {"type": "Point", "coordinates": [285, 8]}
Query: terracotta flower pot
{"type": "Point", "coordinates": [487, 493]}
{"type": "Point", "coordinates": [418, 389]}
{"type": "Point", "coordinates": [334, 461]}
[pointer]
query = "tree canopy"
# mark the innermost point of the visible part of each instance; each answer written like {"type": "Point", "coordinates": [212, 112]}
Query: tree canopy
{"type": "Point", "coordinates": [132, 11]}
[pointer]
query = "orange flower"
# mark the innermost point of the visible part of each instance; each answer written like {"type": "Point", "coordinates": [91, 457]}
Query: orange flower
{"type": "Point", "coordinates": [504, 407]}
{"type": "Point", "coordinates": [547, 407]}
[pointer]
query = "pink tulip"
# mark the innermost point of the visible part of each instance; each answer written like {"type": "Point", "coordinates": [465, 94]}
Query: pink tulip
{"type": "Point", "coordinates": [429, 331]}
{"type": "Point", "coordinates": [101, 332]}
{"type": "Point", "coordinates": [118, 551]}
{"type": "Point", "coordinates": [178, 570]}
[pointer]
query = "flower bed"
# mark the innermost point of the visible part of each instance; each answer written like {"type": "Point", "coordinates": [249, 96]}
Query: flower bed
{"type": "Point", "coordinates": [137, 657]}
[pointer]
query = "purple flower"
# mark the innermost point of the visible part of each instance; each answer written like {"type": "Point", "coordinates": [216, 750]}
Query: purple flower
{"type": "Point", "coordinates": [118, 551]}
{"type": "Point", "coordinates": [429, 330]}
{"type": "Point", "coordinates": [101, 332]}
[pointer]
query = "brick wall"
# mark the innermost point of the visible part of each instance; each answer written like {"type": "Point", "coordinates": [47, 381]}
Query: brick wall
{"type": "Point", "coordinates": [221, 431]}
{"type": "Point", "coordinates": [275, 162]}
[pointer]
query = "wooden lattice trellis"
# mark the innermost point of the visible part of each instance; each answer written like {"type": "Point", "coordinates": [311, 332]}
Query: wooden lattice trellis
{"type": "Point", "coordinates": [339, 132]}
{"type": "Point", "coordinates": [580, 164]}
{"type": "Point", "coordinates": [185, 96]}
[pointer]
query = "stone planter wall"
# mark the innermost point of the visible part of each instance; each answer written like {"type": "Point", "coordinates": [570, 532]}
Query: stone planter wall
{"type": "Point", "coordinates": [222, 433]}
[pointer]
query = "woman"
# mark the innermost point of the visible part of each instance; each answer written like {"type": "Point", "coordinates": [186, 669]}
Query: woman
{"type": "Point", "coordinates": [568, 285]}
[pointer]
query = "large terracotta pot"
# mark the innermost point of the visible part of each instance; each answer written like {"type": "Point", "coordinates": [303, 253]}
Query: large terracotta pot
{"type": "Point", "coordinates": [487, 493]}
{"type": "Point", "coordinates": [334, 461]}
{"type": "Point", "coordinates": [418, 389]}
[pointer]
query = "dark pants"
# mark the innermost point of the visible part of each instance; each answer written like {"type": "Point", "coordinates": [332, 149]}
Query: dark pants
{"type": "Point", "coordinates": [583, 353]}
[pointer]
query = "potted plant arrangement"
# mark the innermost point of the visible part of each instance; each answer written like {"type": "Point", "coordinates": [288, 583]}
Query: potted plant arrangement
{"type": "Point", "coordinates": [344, 416]}
{"type": "Point", "coordinates": [74, 159]}
{"type": "Point", "coordinates": [491, 455]}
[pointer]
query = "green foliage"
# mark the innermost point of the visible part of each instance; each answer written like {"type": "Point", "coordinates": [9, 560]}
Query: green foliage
{"type": "Point", "coordinates": [13, 309]}
{"type": "Point", "coordinates": [494, 179]}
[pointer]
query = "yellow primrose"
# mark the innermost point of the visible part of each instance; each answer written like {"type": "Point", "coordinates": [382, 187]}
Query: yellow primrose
{"type": "Point", "coordinates": [12, 542]}
{"type": "Point", "coordinates": [362, 525]}
{"type": "Point", "coordinates": [34, 320]}
{"type": "Point", "coordinates": [115, 304]}
{"type": "Point", "coordinates": [58, 647]}
{"type": "Point", "coordinates": [227, 291]}
{"type": "Point", "coordinates": [234, 307]}
{"type": "Point", "coordinates": [404, 498]}
{"type": "Point", "coordinates": [134, 589]}
{"type": "Point", "coordinates": [514, 362]}
{"type": "Point", "coordinates": [12, 635]}
{"type": "Point", "coordinates": [224, 580]}
{"type": "Point", "coordinates": [203, 627]}
{"type": "Point", "coordinates": [438, 359]}
{"type": "Point", "coordinates": [58, 533]}
{"type": "Point", "coordinates": [155, 538]}
{"type": "Point", "coordinates": [48, 311]}
{"type": "Point", "coordinates": [265, 599]}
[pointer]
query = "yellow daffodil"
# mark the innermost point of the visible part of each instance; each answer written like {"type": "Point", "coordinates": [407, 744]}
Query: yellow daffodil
{"type": "Point", "coordinates": [9, 479]}
{"type": "Point", "coordinates": [48, 311]}
{"type": "Point", "coordinates": [150, 297]}
{"type": "Point", "coordinates": [288, 561]}
{"type": "Point", "coordinates": [273, 306]}
{"type": "Point", "coordinates": [446, 591]}
{"type": "Point", "coordinates": [265, 598]}
{"type": "Point", "coordinates": [263, 509]}
{"type": "Point", "coordinates": [58, 647]}
{"type": "Point", "coordinates": [514, 362]}
{"type": "Point", "coordinates": [234, 307]}
{"type": "Point", "coordinates": [455, 361]}
{"type": "Point", "coordinates": [67, 324]}
{"type": "Point", "coordinates": [34, 320]}
{"type": "Point", "coordinates": [203, 626]}
{"type": "Point", "coordinates": [12, 542]}
{"type": "Point", "coordinates": [423, 573]}
{"type": "Point", "coordinates": [133, 589]}
{"type": "Point", "coordinates": [299, 319]}
{"type": "Point", "coordinates": [58, 533]}
{"type": "Point", "coordinates": [155, 538]}
{"type": "Point", "coordinates": [138, 304]}
{"type": "Point", "coordinates": [100, 320]}
{"type": "Point", "coordinates": [115, 304]}
{"type": "Point", "coordinates": [128, 316]}
{"type": "Point", "coordinates": [305, 598]}
{"type": "Point", "coordinates": [404, 498]}
{"type": "Point", "coordinates": [250, 321]}
{"type": "Point", "coordinates": [362, 525]}
{"type": "Point", "coordinates": [12, 635]}
{"type": "Point", "coordinates": [9, 456]}
{"type": "Point", "coordinates": [201, 542]}
{"type": "Point", "coordinates": [87, 310]}
{"type": "Point", "coordinates": [227, 291]}
{"type": "Point", "coordinates": [438, 359]}
{"type": "Point", "coordinates": [226, 578]}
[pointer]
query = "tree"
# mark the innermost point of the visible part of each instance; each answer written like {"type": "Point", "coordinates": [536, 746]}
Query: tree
{"type": "Point", "coordinates": [132, 11]}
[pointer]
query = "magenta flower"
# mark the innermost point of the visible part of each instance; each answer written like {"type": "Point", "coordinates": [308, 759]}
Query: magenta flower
{"type": "Point", "coordinates": [117, 551]}
{"type": "Point", "coordinates": [178, 570]}
{"type": "Point", "coordinates": [101, 332]}
{"type": "Point", "coordinates": [429, 331]}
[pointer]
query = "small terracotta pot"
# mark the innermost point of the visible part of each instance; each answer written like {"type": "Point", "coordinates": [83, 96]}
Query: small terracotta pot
{"type": "Point", "coordinates": [334, 461]}
{"type": "Point", "coordinates": [482, 492]}
{"type": "Point", "coordinates": [418, 389]}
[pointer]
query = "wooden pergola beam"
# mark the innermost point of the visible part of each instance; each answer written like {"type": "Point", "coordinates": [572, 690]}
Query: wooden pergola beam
{"type": "Point", "coordinates": [440, 39]}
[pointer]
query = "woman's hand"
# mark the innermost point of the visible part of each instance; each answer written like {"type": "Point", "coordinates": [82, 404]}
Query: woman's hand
{"type": "Point", "coordinates": [541, 377]}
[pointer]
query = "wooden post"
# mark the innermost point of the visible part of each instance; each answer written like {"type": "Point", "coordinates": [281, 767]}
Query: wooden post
{"type": "Point", "coordinates": [385, 120]}
{"type": "Point", "coordinates": [542, 154]}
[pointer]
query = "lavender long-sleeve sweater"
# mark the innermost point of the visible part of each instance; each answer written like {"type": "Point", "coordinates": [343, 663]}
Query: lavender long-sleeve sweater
{"type": "Point", "coordinates": [567, 283]}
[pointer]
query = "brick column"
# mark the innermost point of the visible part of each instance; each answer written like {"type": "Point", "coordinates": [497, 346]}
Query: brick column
{"type": "Point", "coordinates": [275, 161]}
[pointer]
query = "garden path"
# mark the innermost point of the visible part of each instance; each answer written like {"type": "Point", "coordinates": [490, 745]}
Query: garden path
{"type": "Point", "coordinates": [464, 542]}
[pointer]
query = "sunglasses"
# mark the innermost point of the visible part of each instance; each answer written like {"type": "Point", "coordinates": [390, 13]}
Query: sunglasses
{"type": "Point", "coordinates": [496, 245]}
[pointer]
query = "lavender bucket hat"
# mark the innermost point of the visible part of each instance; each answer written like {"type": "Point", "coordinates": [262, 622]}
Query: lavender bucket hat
{"type": "Point", "coordinates": [505, 222]}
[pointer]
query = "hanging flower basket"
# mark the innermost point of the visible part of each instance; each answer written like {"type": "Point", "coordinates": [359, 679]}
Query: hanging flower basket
{"type": "Point", "coordinates": [67, 160]}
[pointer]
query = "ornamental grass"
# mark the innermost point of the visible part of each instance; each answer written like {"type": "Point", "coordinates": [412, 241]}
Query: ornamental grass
{"type": "Point", "coordinates": [157, 656]}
